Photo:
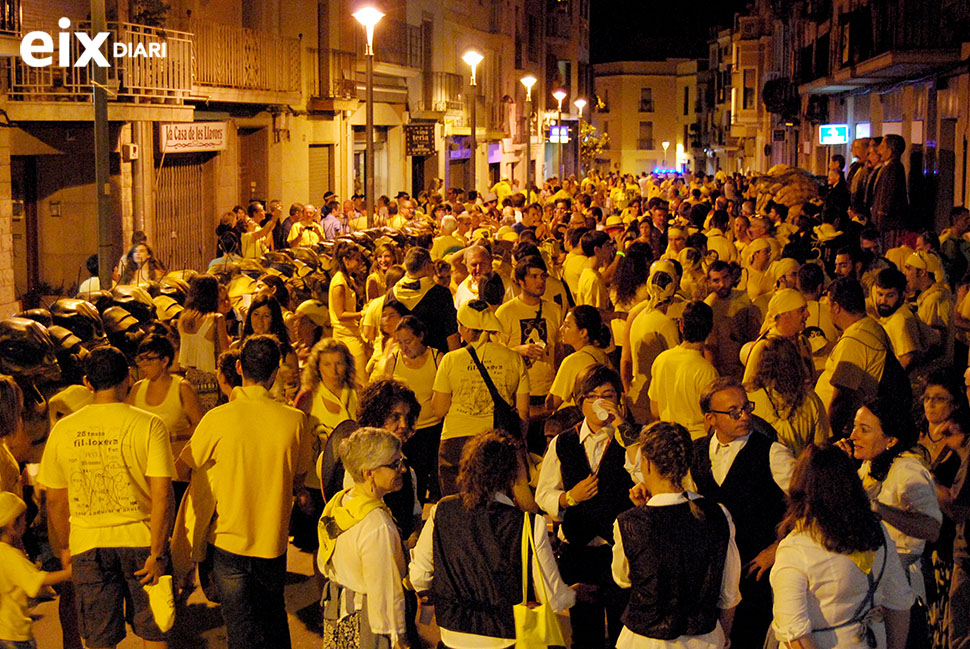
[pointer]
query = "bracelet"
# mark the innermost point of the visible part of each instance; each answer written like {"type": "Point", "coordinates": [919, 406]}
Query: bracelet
{"type": "Point", "coordinates": [570, 501]}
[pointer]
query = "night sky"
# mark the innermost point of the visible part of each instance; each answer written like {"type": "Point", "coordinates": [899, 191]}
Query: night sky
{"type": "Point", "coordinates": [624, 30]}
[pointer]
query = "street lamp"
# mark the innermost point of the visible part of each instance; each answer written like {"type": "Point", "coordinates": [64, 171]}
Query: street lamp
{"type": "Point", "coordinates": [559, 94]}
{"type": "Point", "coordinates": [528, 81]}
{"type": "Point", "coordinates": [473, 58]}
{"type": "Point", "coordinates": [580, 104]}
{"type": "Point", "coordinates": [665, 144]}
{"type": "Point", "coordinates": [369, 17]}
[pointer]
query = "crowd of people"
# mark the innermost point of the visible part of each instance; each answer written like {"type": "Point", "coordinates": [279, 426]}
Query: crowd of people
{"type": "Point", "coordinates": [684, 418]}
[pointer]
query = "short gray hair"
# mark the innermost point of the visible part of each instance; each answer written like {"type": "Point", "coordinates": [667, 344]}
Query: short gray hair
{"type": "Point", "coordinates": [366, 449]}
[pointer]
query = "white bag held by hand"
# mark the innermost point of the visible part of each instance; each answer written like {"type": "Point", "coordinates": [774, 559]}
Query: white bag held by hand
{"type": "Point", "coordinates": [161, 599]}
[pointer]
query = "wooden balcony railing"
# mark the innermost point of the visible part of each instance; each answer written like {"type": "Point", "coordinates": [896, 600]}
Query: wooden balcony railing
{"type": "Point", "coordinates": [157, 80]}
{"type": "Point", "coordinates": [244, 59]}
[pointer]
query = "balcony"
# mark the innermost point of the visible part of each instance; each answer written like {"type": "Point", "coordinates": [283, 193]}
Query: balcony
{"type": "Point", "coordinates": [335, 73]}
{"type": "Point", "coordinates": [395, 43]}
{"type": "Point", "coordinates": [10, 27]}
{"type": "Point", "coordinates": [559, 25]}
{"type": "Point", "coordinates": [49, 93]}
{"type": "Point", "coordinates": [885, 42]}
{"type": "Point", "coordinates": [245, 65]}
{"type": "Point", "coordinates": [645, 144]}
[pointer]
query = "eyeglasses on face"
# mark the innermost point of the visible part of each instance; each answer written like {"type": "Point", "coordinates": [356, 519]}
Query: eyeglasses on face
{"type": "Point", "coordinates": [396, 465]}
{"type": "Point", "coordinates": [735, 413]}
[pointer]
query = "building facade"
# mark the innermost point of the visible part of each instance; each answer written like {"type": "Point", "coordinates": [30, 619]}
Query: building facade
{"type": "Point", "coordinates": [263, 99]}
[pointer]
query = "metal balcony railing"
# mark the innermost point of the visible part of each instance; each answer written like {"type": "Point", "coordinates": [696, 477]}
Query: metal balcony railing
{"type": "Point", "coordinates": [396, 43]}
{"type": "Point", "coordinates": [498, 116]}
{"type": "Point", "coordinates": [645, 143]}
{"type": "Point", "coordinates": [244, 59]}
{"type": "Point", "coordinates": [333, 73]}
{"type": "Point", "coordinates": [10, 17]}
{"type": "Point", "coordinates": [559, 25]}
{"type": "Point", "coordinates": [149, 79]}
{"type": "Point", "coordinates": [443, 91]}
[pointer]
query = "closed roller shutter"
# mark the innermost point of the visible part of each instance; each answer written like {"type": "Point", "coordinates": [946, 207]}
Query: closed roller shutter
{"type": "Point", "coordinates": [321, 172]}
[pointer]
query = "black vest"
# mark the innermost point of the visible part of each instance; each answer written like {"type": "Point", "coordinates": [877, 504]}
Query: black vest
{"type": "Point", "coordinates": [477, 567]}
{"type": "Point", "coordinates": [594, 517]}
{"type": "Point", "coordinates": [676, 565]}
{"type": "Point", "coordinates": [749, 492]}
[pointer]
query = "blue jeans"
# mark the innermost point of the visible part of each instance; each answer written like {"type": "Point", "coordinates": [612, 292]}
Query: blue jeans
{"type": "Point", "coordinates": [252, 600]}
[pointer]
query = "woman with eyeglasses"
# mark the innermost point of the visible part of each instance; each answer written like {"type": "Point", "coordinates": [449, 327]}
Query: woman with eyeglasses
{"type": "Point", "coordinates": [170, 397]}
{"type": "Point", "coordinates": [583, 482]}
{"type": "Point", "coordinates": [360, 550]}
{"type": "Point", "coordinates": [900, 486]}
{"type": "Point", "coordinates": [943, 436]}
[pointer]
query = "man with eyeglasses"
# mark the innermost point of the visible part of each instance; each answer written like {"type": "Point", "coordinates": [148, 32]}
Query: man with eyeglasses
{"type": "Point", "coordinates": [749, 474]}
{"type": "Point", "coordinates": [584, 484]}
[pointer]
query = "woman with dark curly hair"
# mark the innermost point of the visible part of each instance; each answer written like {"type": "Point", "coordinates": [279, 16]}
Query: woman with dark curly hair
{"type": "Point", "coordinates": [469, 555]}
{"type": "Point", "coordinates": [899, 484]}
{"type": "Point", "coordinates": [675, 551]}
{"type": "Point", "coordinates": [836, 567]}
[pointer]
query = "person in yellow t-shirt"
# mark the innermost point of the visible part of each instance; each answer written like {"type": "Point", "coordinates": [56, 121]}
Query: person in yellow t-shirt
{"type": "Point", "coordinates": [599, 250]}
{"type": "Point", "coordinates": [107, 468]}
{"type": "Point", "coordinates": [584, 331]}
{"type": "Point", "coordinates": [20, 579]}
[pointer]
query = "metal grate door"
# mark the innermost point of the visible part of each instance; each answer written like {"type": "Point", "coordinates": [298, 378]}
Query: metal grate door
{"type": "Point", "coordinates": [180, 223]}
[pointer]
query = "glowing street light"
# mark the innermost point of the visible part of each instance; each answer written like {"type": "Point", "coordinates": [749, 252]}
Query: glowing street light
{"type": "Point", "coordinates": [473, 58]}
{"type": "Point", "coordinates": [528, 81]}
{"type": "Point", "coordinates": [580, 104]}
{"type": "Point", "coordinates": [369, 17]}
{"type": "Point", "coordinates": [559, 94]}
{"type": "Point", "coordinates": [665, 144]}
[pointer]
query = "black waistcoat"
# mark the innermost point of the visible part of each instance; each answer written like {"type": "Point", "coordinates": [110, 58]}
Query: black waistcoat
{"type": "Point", "coordinates": [593, 517]}
{"type": "Point", "coordinates": [477, 567]}
{"type": "Point", "coordinates": [676, 563]}
{"type": "Point", "coordinates": [749, 492]}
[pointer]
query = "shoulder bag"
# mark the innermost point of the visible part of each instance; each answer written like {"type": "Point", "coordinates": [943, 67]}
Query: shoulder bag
{"type": "Point", "coordinates": [504, 417]}
{"type": "Point", "coordinates": [536, 627]}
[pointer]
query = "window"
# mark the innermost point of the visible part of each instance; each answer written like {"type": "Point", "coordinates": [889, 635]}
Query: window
{"type": "Point", "coordinates": [533, 38]}
{"type": "Point", "coordinates": [645, 139]}
{"type": "Point", "coordinates": [686, 100]}
{"type": "Point", "coordinates": [748, 98]}
{"type": "Point", "coordinates": [646, 100]}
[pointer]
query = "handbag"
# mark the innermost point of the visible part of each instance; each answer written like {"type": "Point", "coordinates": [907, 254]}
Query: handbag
{"type": "Point", "coordinates": [536, 627]}
{"type": "Point", "coordinates": [504, 416]}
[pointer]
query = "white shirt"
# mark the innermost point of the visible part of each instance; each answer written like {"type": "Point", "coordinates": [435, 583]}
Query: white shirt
{"type": "Point", "coordinates": [909, 486]}
{"type": "Point", "coordinates": [561, 597]}
{"type": "Point", "coordinates": [730, 578]}
{"type": "Point", "coordinates": [368, 560]}
{"type": "Point", "coordinates": [815, 588]}
{"type": "Point", "coordinates": [550, 485]}
{"type": "Point", "coordinates": [780, 460]}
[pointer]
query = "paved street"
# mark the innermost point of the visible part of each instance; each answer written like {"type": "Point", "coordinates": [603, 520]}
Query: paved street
{"type": "Point", "coordinates": [200, 624]}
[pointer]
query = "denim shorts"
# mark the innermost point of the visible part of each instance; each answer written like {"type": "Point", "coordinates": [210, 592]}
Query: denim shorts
{"type": "Point", "coordinates": [109, 594]}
